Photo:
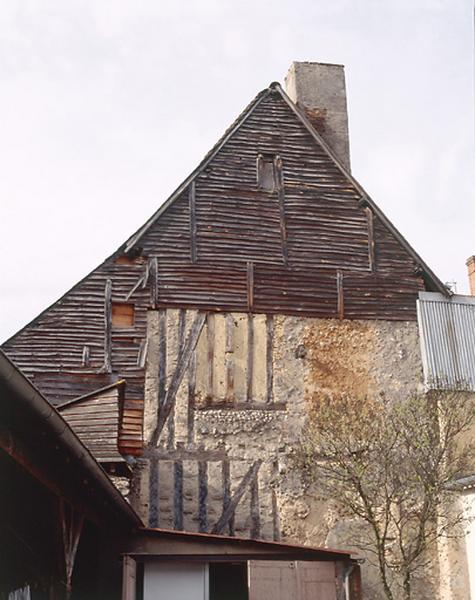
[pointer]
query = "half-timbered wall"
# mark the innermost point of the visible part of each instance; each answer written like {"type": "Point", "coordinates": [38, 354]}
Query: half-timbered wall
{"type": "Point", "coordinates": [224, 408]}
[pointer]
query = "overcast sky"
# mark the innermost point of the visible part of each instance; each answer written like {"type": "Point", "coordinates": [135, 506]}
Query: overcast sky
{"type": "Point", "coordinates": [107, 105]}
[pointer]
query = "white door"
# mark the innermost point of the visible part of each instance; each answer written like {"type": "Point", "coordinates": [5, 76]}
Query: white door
{"type": "Point", "coordinates": [175, 581]}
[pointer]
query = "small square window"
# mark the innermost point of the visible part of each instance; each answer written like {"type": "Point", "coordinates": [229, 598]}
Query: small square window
{"type": "Point", "coordinates": [122, 315]}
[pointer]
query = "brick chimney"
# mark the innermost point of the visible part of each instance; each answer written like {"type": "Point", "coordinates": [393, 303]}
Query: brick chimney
{"type": "Point", "coordinates": [471, 274]}
{"type": "Point", "coordinates": [319, 89]}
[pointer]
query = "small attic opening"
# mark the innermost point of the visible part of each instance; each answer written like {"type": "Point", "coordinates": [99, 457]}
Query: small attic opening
{"type": "Point", "coordinates": [123, 315]}
{"type": "Point", "coordinates": [266, 172]}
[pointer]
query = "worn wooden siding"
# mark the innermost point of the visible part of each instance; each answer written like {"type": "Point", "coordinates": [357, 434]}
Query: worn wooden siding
{"type": "Point", "coordinates": [238, 248]}
{"type": "Point", "coordinates": [95, 420]}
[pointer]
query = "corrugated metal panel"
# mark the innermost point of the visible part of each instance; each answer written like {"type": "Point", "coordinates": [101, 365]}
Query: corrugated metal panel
{"type": "Point", "coordinates": [447, 328]}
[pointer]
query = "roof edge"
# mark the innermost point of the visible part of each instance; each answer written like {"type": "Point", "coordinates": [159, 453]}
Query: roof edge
{"type": "Point", "coordinates": [437, 283]}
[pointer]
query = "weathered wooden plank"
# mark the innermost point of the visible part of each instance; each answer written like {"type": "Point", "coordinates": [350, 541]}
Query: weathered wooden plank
{"type": "Point", "coordinates": [153, 498]}
{"type": "Point", "coordinates": [281, 195]}
{"type": "Point", "coordinates": [340, 294]}
{"type": "Point", "coordinates": [371, 245]}
{"type": "Point", "coordinates": [229, 357]}
{"type": "Point", "coordinates": [269, 359]}
{"type": "Point", "coordinates": [250, 286]}
{"type": "Point", "coordinates": [193, 226]}
{"type": "Point", "coordinates": [226, 479]}
{"type": "Point", "coordinates": [178, 495]}
{"type": "Point", "coordinates": [255, 509]}
{"type": "Point", "coordinates": [108, 327]}
{"type": "Point", "coordinates": [210, 340]}
{"type": "Point", "coordinates": [202, 496]}
{"type": "Point", "coordinates": [250, 358]}
{"type": "Point", "coordinates": [153, 282]}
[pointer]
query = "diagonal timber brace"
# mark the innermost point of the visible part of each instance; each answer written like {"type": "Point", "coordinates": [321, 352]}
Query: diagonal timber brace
{"type": "Point", "coordinates": [182, 364]}
{"type": "Point", "coordinates": [230, 509]}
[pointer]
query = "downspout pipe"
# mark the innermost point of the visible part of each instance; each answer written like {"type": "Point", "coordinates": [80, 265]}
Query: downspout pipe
{"type": "Point", "coordinates": [24, 392]}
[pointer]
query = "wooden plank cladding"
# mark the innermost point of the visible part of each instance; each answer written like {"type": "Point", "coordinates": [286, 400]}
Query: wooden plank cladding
{"type": "Point", "coordinates": [104, 424]}
{"type": "Point", "coordinates": [227, 242]}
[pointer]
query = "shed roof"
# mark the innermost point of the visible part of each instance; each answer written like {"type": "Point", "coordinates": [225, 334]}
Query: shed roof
{"type": "Point", "coordinates": [164, 543]}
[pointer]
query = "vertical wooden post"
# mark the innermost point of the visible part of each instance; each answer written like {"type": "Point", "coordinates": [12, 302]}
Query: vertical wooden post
{"type": "Point", "coordinates": [226, 475]}
{"type": "Point", "coordinates": [341, 299]}
{"type": "Point", "coordinates": [250, 357]}
{"type": "Point", "coordinates": [153, 282]}
{"type": "Point", "coordinates": [203, 496]}
{"type": "Point", "coordinates": [270, 358]}
{"type": "Point", "coordinates": [129, 578]}
{"type": "Point", "coordinates": [279, 178]}
{"type": "Point", "coordinates": [71, 527]}
{"type": "Point", "coordinates": [192, 208]}
{"type": "Point", "coordinates": [250, 286]}
{"type": "Point", "coordinates": [229, 353]}
{"type": "Point", "coordinates": [108, 327]}
{"type": "Point", "coordinates": [371, 244]}
{"type": "Point", "coordinates": [210, 340]}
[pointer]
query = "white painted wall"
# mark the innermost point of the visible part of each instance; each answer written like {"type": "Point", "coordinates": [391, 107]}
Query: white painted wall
{"type": "Point", "coordinates": [176, 581]}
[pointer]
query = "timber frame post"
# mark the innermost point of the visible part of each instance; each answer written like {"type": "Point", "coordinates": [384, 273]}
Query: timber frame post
{"type": "Point", "coordinates": [71, 523]}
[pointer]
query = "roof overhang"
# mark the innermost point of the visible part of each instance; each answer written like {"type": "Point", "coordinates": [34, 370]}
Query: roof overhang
{"type": "Point", "coordinates": [165, 544]}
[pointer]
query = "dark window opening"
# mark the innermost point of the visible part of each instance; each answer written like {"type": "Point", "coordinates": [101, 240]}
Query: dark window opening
{"type": "Point", "coordinates": [228, 581]}
{"type": "Point", "coordinates": [266, 173]}
{"type": "Point", "coordinates": [122, 315]}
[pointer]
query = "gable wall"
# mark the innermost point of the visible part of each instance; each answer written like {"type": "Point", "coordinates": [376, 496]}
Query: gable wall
{"type": "Point", "coordinates": [239, 265]}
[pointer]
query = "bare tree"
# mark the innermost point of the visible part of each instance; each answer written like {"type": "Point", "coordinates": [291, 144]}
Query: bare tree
{"type": "Point", "coordinates": [391, 465]}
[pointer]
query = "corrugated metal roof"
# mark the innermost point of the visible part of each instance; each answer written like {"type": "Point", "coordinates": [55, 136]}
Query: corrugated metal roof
{"type": "Point", "coordinates": [447, 327]}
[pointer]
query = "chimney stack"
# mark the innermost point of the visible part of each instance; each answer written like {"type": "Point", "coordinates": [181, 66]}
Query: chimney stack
{"type": "Point", "coordinates": [471, 274]}
{"type": "Point", "coordinates": [319, 90]}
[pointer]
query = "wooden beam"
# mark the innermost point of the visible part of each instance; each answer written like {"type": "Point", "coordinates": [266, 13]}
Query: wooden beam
{"type": "Point", "coordinates": [229, 357]}
{"type": "Point", "coordinates": [275, 517]}
{"type": "Point", "coordinates": [228, 512]}
{"type": "Point", "coordinates": [162, 358]}
{"type": "Point", "coordinates": [340, 293]}
{"type": "Point", "coordinates": [71, 528]}
{"type": "Point", "coordinates": [153, 281]}
{"type": "Point", "coordinates": [250, 286]}
{"type": "Point", "coordinates": [202, 496]}
{"type": "Point", "coordinates": [177, 377]}
{"type": "Point", "coordinates": [86, 355]}
{"type": "Point", "coordinates": [192, 208]}
{"type": "Point", "coordinates": [191, 400]}
{"type": "Point", "coordinates": [226, 477]}
{"type": "Point", "coordinates": [371, 242]}
{"type": "Point", "coordinates": [153, 492]}
{"type": "Point", "coordinates": [250, 357]}
{"type": "Point", "coordinates": [129, 578]}
{"type": "Point", "coordinates": [210, 355]}
{"type": "Point", "coordinates": [269, 358]}
{"type": "Point", "coordinates": [108, 327]}
{"type": "Point", "coordinates": [255, 509]}
{"type": "Point", "coordinates": [279, 178]}
{"type": "Point", "coordinates": [178, 495]}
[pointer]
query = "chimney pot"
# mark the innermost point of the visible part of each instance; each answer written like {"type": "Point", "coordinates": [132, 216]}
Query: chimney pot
{"type": "Point", "coordinates": [471, 274]}
{"type": "Point", "coordinates": [319, 90]}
